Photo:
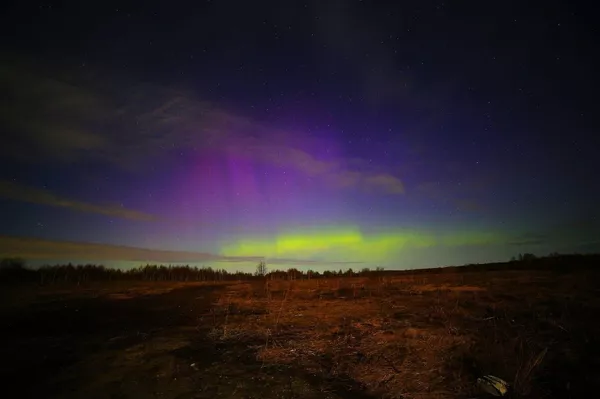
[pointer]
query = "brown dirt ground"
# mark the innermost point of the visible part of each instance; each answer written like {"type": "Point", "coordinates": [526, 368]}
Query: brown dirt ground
{"type": "Point", "coordinates": [409, 336]}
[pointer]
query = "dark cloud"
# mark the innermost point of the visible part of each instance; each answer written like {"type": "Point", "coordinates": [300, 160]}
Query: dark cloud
{"type": "Point", "coordinates": [38, 249]}
{"type": "Point", "coordinates": [49, 118]}
{"type": "Point", "coordinates": [13, 191]}
{"type": "Point", "coordinates": [60, 120]}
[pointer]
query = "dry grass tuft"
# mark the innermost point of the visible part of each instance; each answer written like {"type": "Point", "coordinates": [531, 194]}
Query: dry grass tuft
{"type": "Point", "coordinates": [409, 337]}
{"type": "Point", "coordinates": [428, 335]}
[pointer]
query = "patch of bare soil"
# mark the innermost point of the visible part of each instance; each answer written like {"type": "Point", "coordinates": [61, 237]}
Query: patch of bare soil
{"type": "Point", "coordinates": [421, 336]}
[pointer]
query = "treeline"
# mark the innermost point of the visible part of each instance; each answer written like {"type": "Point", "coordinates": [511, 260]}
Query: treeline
{"type": "Point", "coordinates": [562, 263]}
{"type": "Point", "coordinates": [295, 274]}
{"type": "Point", "coordinates": [15, 270]}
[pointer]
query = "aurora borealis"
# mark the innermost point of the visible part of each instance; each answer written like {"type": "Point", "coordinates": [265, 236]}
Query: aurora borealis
{"type": "Point", "coordinates": [309, 134]}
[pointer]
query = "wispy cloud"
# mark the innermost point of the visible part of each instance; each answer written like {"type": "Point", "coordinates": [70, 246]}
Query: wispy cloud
{"type": "Point", "coordinates": [386, 183]}
{"type": "Point", "coordinates": [334, 171]}
{"type": "Point", "coordinates": [17, 192]}
{"type": "Point", "coordinates": [39, 249]}
{"type": "Point", "coordinates": [66, 251]}
{"type": "Point", "coordinates": [48, 118]}
{"type": "Point", "coordinates": [52, 118]}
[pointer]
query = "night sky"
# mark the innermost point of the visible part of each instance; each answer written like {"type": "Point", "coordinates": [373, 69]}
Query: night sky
{"type": "Point", "coordinates": [321, 134]}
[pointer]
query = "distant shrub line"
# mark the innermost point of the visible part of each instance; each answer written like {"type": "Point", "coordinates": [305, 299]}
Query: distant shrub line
{"type": "Point", "coordinates": [16, 270]}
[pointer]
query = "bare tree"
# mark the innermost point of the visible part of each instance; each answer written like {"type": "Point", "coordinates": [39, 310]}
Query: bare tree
{"type": "Point", "coordinates": [261, 269]}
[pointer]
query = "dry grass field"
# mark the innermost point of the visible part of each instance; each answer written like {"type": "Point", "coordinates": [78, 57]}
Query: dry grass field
{"type": "Point", "coordinates": [422, 335]}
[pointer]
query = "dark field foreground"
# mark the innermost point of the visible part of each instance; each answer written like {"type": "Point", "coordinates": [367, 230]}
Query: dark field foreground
{"type": "Point", "coordinates": [403, 336]}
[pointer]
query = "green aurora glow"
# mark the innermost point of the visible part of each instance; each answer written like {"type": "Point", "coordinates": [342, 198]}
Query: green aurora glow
{"type": "Point", "coordinates": [350, 244]}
